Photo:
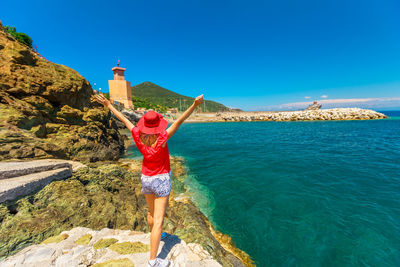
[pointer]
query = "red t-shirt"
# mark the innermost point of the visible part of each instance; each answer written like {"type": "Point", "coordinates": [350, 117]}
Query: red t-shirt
{"type": "Point", "coordinates": [155, 159]}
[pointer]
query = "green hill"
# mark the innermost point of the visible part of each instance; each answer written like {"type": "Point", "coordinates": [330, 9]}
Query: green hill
{"type": "Point", "coordinates": [159, 95]}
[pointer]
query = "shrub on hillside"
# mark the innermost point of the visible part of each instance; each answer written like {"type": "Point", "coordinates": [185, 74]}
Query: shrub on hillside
{"type": "Point", "coordinates": [141, 102]}
{"type": "Point", "coordinates": [20, 36]}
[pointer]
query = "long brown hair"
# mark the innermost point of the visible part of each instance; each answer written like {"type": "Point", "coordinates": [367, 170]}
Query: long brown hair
{"type": "Point", "coordinates": [148, 139]}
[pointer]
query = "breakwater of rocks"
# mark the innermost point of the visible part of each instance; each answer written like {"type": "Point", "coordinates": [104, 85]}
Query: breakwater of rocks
{"type": "Point", "coordinates": [304, 115]}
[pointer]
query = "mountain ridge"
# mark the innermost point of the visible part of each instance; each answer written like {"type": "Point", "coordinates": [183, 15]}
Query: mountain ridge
{"type": "Point", "coordinates": [162, 96]}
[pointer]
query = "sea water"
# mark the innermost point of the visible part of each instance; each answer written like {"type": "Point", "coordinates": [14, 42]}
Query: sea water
{"type": "Point", "coordinates": [322, 193]}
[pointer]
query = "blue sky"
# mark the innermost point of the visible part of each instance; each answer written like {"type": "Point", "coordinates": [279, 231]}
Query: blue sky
{"type": "Point", "coordinates": [246, 54]}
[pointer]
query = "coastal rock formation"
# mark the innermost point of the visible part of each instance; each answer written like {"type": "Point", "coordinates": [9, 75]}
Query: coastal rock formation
{"type": "Point", "coordinates": [86, 247]}
{"type": "Point", "coordinates": [130, 114]}
{"type": "Point", "coordinates": [46, 112]}
{"type": "Point", "coordinates": [107, 195]}
{"type": "Point", "coordinates": [19, 178]}
{"type": "Point", "coordinates": [305, 115]}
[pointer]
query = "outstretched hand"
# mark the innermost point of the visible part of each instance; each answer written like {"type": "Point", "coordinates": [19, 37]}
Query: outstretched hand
{"type": "Point", "coordinates": [174, 127]}
{"type": "Point", "coordinates": [198, 100]}
{"type": "Point", "coordinates": [101, 99]}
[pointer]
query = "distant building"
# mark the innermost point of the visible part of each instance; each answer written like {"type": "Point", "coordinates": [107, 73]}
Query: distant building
{"type": "Point", "coordinates": [120, 90]}
{"type": "Point", "coordinates": [172, 110]}
{"type": "Point", "coordinates": [141, 110]}
{"type": "Point", "coordinates": [314, 106]}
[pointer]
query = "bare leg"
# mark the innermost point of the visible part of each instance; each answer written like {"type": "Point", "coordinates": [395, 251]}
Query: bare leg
{"type": "Point", "coordinates": [150, 204]}
{"type": "Point", "coordinates": [160, 205]}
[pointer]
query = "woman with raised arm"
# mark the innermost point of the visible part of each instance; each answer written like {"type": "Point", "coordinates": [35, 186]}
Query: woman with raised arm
{"type": "Point", "coordinates": [151, 136]}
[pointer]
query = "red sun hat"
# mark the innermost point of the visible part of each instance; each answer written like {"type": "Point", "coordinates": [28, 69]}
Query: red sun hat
{"type": "Point", "coordinates": [152, 123]}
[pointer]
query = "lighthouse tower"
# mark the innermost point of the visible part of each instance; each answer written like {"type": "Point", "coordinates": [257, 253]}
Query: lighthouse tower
{"type": "Point", "coordinates": [119, 88]}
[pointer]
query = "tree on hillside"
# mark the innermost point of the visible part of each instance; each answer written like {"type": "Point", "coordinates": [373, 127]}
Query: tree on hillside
{"type": "Point", "coordinates": [20, 36]}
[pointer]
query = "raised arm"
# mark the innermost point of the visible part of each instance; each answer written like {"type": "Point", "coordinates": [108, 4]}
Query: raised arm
{"type": "Point", "coordinates": [105, 102]}
{"type": "Point", "coordinates": [174, 127]}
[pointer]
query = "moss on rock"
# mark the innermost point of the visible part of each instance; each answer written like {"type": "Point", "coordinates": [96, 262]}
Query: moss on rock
{"type": "Point", "coordinates": [104, 195]}
{"type": "Point", "coordinates": [3, 212]}
{"type": "Point", "coordinates": [115, 263]}
{"type": "Point", "coordinates": [39, 131]}
{"type": "Point", "coordinates": [55, 239]}
{"type": "Point", "coordinates": [129, 247]}
{"type": "Point", "coordinates": [84, 240]}
{"type": "Point", "coordinates": [104, 243]}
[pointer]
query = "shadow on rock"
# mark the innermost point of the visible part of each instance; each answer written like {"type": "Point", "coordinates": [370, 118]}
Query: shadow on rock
{"type": "Point", "coordinates": [169, 242]}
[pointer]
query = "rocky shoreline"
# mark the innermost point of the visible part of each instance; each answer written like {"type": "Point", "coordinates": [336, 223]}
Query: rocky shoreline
{"type": "Point", "coordinates": [108, 247]}
{"type": "Point", "coordinates": [178, 194]}
{"type": "Point", "coordinates": [107, 195]}
{"type": "Point", "coordinates": [334, 114]}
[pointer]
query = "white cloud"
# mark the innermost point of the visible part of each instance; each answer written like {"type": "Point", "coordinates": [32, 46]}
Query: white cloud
{"type": "Point", "coordinates": [324, 96]}
{"type": "Point", "coordinates": [307, 97]}
{"type": "Point", "coordinates": [374, 103]}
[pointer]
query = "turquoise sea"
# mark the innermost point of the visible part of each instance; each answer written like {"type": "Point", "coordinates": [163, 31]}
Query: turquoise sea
{"type": "Point", "coordinates": [324, 193]}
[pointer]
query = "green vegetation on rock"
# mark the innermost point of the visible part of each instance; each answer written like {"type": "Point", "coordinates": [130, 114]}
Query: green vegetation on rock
{"type": "Point", "coordinates": [20, 36]}
{"type": "Point", "coordinates": [84, 240]}
{"type": "Point", "coordinates": [129, 247]}
{"type": "Point", "coordinates": [96, 197]}
{"type": "Point", "coordinates": [55, 239]}
{"type": "Point", "coordinates": [115, 263]}
{"type": "Point", "coordinates": [160, 96]}
{"type": "Point", "coordinates": [104, 243]}
{"type": "Point", "coordinates": [140, 102]}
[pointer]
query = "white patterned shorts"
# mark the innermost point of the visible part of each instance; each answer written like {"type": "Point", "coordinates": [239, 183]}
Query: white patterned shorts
{"type": "Point", "coordinates": [159, 184]}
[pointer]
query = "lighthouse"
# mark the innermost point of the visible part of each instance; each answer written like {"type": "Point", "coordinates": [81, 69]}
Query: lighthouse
{"type": "Point", "coordinates": [120, 89]}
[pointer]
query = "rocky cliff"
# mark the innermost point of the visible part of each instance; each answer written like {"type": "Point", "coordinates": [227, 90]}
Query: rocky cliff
{"type": "Point", "coordinates": [46, 112]}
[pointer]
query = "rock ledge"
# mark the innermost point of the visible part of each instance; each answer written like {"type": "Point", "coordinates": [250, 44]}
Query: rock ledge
{"type": "Point", "coordinates": [77, 248]}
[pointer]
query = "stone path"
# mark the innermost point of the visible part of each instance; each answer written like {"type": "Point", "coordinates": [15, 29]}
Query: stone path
{"type": "Point", "coordinates": [19, 178]}
{"type": "Point", "coordinates": [107, 247]}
